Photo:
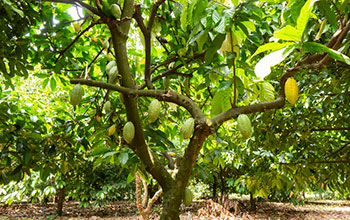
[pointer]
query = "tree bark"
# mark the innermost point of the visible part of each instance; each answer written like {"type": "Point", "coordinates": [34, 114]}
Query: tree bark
{"type": "Point", "coordinates": [252, 201]}
{"type": "Point", "coordinates": [60, 200]}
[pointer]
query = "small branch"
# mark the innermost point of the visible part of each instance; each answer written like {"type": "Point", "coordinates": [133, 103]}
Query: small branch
{"type": "Point", "coordinates": [339, 14]}
{"type": "Point", "coordinates": [153, 14]}
{"type": "Point", "coordinates": [75, 40]}
{"type": "Point", "coordinates": [340, 149]}
{"type": "Point", "coordinates": [163, 45]}
{"type": "Point", "coordinates": [78, 2]}
{"type": "Point", "coordinates": [165, 62]}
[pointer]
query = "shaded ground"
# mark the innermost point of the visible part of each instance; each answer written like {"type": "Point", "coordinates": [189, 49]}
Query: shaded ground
{"type": "Point", "coordinates": [234, 209]}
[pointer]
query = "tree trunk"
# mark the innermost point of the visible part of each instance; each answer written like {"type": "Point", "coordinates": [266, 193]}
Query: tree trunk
{"type": "Point", "coordinates": [215, 185]}
{"type": "Point", "coordinates": [252, 201]}
{"type": "Point", "coordinates": [60, 200]}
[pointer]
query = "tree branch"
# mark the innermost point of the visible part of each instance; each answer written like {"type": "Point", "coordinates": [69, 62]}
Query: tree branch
{"type": "Point", "coordinates": [77, 2]}
{"type": "Point", "coordinates": [317, 162]}
{"type": "Point", "coordinates": [162, 95]}
{"type": "Point", "coordinates": [75, 40]}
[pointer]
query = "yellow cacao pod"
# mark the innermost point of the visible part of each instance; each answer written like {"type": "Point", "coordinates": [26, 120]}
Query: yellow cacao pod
{"type": "Point", "coordinates": [187, 128]}
{"type": "Point", "coordinates": [111, 130]}
{"type": "Point", "coordinates": [188, 197]}
{"type": "Point", "coordinates": [291, 90]}
{"type": "Point", "coordinates": [77, 27]}
{"type": "Point", "coordinates": [76, 94]}
{"type": "Point", "coordinates": [98, 118]}
{"type": "Point", "coordinates": [154, 110]}
{"type": "Point", "coordinates": [109, 57]}
{"type": "Point", "coordinates": [129, 132]}
{"type": "Point", "coordinates": [244, 125]}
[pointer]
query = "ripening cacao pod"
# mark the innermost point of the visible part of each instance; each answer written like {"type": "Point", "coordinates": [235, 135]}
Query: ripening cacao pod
{"type": "Point", "coordinates": [77, 27]}
{"type": "Point", "coordinates": [244, 125]}
{"type": "Point", "coordinates": [76, 95]}
{"type": "Point", "coordinates": [188, 197]}
{"type": "Point", "coordinates": [115, 11]}
{"type": "Point", "coordinates": [129, 132]}
{"type": "Point", "coordinates": [154, 110]}
{"type": "Point", "coordinates": [187, 128]}
{"type": "Point", "coordinates": [107, 107]}
{"type": "Point", "coordinates": [291, 90]}
{"type": "Point", "coordinates": [110, 65]}
{"type": "Point", "coordinates": [109, 57]}
{"type": "Point", "coordinates": [98, 118]}
{"type": "Point", "coordinates": [111, 130]}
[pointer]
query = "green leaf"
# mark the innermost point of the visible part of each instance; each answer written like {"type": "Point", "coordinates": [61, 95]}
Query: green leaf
{"type": "Point", "coordinates": [52, 84]}
{"type": "Point", "coordinates": [45, 82]}
{"type": "Point", "coordinates": [326, 9]}
{"type": "Point", "coordinates": [272, 46]}
{"type": "Point", "coordinates": [183, 18]}
{"type": "Point", "coordinates": [314, 47]}
{"type": "Point", "coordinates": [123, 158]}
{"type": "Point", "coordinates": [214, 47]}
{"type": "Point", "coordinates": [267, 92]}
{"type": "Point", "coordinates": [263, 67]}
{"type": "Point", "coordinates": [287, 33]}
{"type": "Point", "coordinates": [304, 16]}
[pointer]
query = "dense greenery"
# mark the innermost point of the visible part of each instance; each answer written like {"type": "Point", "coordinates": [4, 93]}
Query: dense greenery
{"type": "Point", "coordinates": [209, 60]}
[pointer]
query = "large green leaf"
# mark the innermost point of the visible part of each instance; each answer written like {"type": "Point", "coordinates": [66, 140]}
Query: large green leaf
{"type": "Point", "coordinates": [267, 92]}
{"type": "Point", "coordinates": [263, 67]}
{"type": "Point", "coordinates": [287, 33]}
{"type": "Point", "coordinates": [304, 16]}
{"type": "Point", "coordinates": [272, 46]}
{"type": "Point", "coordinates": [314, 47]}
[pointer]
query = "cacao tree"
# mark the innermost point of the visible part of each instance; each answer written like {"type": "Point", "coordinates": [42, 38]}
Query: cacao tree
{"type": "Point", "coordinates": [200, 59]}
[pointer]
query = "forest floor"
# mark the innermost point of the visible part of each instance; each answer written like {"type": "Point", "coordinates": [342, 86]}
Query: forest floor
{"type": "Point", "coordinates": [203, 209]}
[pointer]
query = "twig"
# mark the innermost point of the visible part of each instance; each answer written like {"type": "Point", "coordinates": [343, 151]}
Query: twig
{"type": "Point", "coordinates": [75, 40]}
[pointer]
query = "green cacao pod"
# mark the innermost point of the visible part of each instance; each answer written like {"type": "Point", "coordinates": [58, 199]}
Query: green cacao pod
{"type": "Point", "coordinates": [107, 107]}
{"type": "Point", "coordinates": [291, 90]}
{"type": "Point", "coordinates": [87, 12]}
{"type": "Point", "coordinates": [129, 132]}
{"type": "Point", "coordinates": [244, 125]}
{"type": "Point", "coordinates": [115, 11]}
{"type": "Point", "coordinates": [113, 75]}
{"type": "Point", "coordinates": [166, 83]}
{"type": "Point", "coordinates": [110, 65]}
{"type": "Point", "coordinates": [188, 197]}
{"type": "Point", "coordinates": [106, 44]}
{"type": "Point", "coordinates": [76, 95]}
{"type": "Point", "coordinates": [187, 128]}
{"type": "Point", "coordinates": [106, 7]}
{"type": "Point", "coordinates": [154, 110]}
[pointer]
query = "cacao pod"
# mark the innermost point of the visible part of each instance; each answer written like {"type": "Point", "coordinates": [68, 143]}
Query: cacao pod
{"type": "Point", "coordinates": [110, 65]}
{"type": "Point", "coordinates": [76, 95]}
{"type": "Point", "coordinates": [115, 11]}
{"type": "Point", "coordinates": [87, 12]}
{"type": "Point", "coordinates": [106, 7]}
{"type": "Point", "coordinates": [187, 128]}
{"type": "Point", "coordinates": [129, 132]}
{"type": "Point", "coordinates": [113, 75]}
{"type": "Point", "coordinates": [98, 118]}
{"type": "Point", "coordinates": [107, 106]}
{"type": "Point", "coordinates": [77, 27]}
{"type": "Point", "coordinates": [244, 125]}
{"type": "Point", "coordinates": [154, 110]}
{"type": "Point", "coordinates": [188, 197]}
{"type": "Point", "coordinates": [106, 44]}
{"type": "Point", "coordinates": [291, 90]}
{"type": "Point", "coordinates": [111, 130]}
{"type": "Point", "coordinates": [166, 83]}
{"type": "Point", "coordinates": [109, 57]}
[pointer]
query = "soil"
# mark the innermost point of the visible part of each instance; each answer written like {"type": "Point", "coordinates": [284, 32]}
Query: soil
{"type": "Point", "coordinates": [204, 209]}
